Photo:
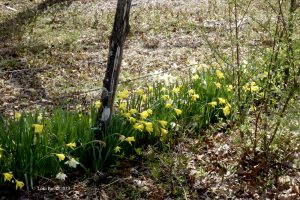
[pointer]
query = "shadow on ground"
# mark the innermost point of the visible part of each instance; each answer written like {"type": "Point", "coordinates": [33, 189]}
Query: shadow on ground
{"type": "Point", "coordinates": [13, 28]}
{"type": "Point", "coordinates": [11, 32]}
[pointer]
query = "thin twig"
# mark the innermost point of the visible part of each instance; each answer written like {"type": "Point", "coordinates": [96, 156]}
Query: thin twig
{"type": "Point", "coordinates": [9, 8]}
{"type": "Point", "coordinates": [214, 49]}
{"type": "Point", "coordinates": [121, 179]}
{"type": "Point", "coordinates": [281, 115]}
{"type": "Point", "coordinates": [244, 14]}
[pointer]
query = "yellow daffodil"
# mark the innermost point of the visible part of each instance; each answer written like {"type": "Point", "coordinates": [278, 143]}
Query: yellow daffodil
{"type": "Point", "coordinates": [163, 89]}
{"type": "Point", "coordinates": [128, 115]}
{"type": "Point", "coordinates": [194, 97]}
{"type": "Point", "coordinates": [163, 123]}
{"type": "Point", "coordinates": [165, 97]}
{"type": "Point", "coordinates": [247, 87]}
{"type": "Point", "coordinates": [163, 131]}
{"type": "Point", "coordinates": [222, 101]}
{"type": "Point", "coordinates": [150, 89]}
{"type": "Point", "coordinates": [191, 92]}
{"type": "Point", "coordinates": [251, 87]}
{"type": "Point", "coordinates": [97, 104]}
{"type": "Point", "coordinates": [123, 95]}
{"type": "Point", "coordinates": [130, 139]}
{"type": "Point", "coordinates": [8, 176]}
{"type": "Point", "coordinates": [133, 111]}
{"type": "Point", "coordinates": [138, 126]}
{"type": "Point", "coordinates": [144, 114]}
{"type": "Point", "coordinates": [140, 91]}
{"type": "Point", "coordinates": [229, 88]}
{"type": "Point", "coordinates": [176, 90]}
{"type": "Point", "coordinates": [195, 77]}
{"type": "Point", "coordinates": [38, 128]}
{"type": "Point", "coordinates": [71, 145]}
{"type": "Point", "coordinates": [226, 110]}
{"type": "Point", "coordinates": [252, 108]}
{"type": "Point", "coordinates": [117, 149]}
{"type": "Point", "coordinates": [178, 111]}
{"type": "Point", "coordinates": [122, 106]}
{"type": "Point", "coordinates": [132, 119]}
{"type": "Point", "coordinates": [218, 85]}
{"type": "Point", "coordinates": [19, 184]}
{"type": "Point", "coordinates": [17, 116]}
{"type": "Point", "coordinates": [60, 156]}
{"type": "Point", "coordinates": [254, 88]}
{"type": "Point", "coordinates": [219, 74]}
{"type": "Point", "coordinates": [168, 105]}
{"type": "Point", "coordinates": [150, 112]}
{"type": "Point", "coordinates": [149, 127]}
{"type": "Point", "coordinates": [144, 97]}
{"type": "Point", "coordinates": [213, 104]}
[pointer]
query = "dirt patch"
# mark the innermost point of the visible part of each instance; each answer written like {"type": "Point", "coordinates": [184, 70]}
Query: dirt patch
{"type": "Point", "coordinates": [69, 41]}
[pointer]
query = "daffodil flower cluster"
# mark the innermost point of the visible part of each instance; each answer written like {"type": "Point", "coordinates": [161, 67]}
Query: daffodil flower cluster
{"type": "Point", "coordinates": [147, 113]}
{"type": "Point", "coordinates": [226, 109]}
{"type": "Point", "coordinates": [219, 74]}
{"type": "Point", "coordinates": [8, 176]}
{"type": "Point", "coordinates": [123, 95]}
{"type": "Point", "coordinates": [193, 95]}
{"type": "Point", "coordinates": [252, 87]}
{"type": "Point", "coordinates": [38, 128]}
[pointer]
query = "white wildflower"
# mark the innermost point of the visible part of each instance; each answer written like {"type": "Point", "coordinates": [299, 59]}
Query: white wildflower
{"type": "Point", "coordinates": [72, 163]}
{"type": "Point", "coordinates": [61, 176]}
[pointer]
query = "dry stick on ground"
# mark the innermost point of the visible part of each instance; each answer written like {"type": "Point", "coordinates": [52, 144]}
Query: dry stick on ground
{"type": "Point", "coordinates": [260, 24]}
{"type": "Point", "coordinates": [8, 7]}
{"type": "Point", "coordinates": [110, 82]}
{"type": "Point", "coordinates": [214, 48]}
{"type": "Point", "coordinates": [109, 184]}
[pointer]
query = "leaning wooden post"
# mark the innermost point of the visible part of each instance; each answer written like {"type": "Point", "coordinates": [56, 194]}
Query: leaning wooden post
{"type": "Point", "coordinates": [110, 82]}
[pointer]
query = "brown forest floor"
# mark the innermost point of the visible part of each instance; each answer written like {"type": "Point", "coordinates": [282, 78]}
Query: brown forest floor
{"type": "Point", "coordinates": [67, 44]}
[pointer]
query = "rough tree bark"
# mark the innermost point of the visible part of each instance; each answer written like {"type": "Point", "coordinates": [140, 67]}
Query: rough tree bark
{"type": "Point", "coordinates": [120, 30]}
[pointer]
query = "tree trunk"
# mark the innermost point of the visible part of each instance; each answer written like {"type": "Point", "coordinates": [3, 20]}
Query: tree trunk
{"type": "Point", "coordinates": [110, 82]}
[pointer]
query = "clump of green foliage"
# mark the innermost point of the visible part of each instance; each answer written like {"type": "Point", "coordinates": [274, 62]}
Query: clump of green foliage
{"type": "Point", "coordinates": [52, 145]}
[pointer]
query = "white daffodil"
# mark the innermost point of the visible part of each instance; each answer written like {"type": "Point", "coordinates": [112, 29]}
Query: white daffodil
{"type": "Point", "coordinates": [72, 163]}
{"type": "Point", "coordinates": [167, 79]}
{"type": "Point", "coordinates": [61, 176]}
